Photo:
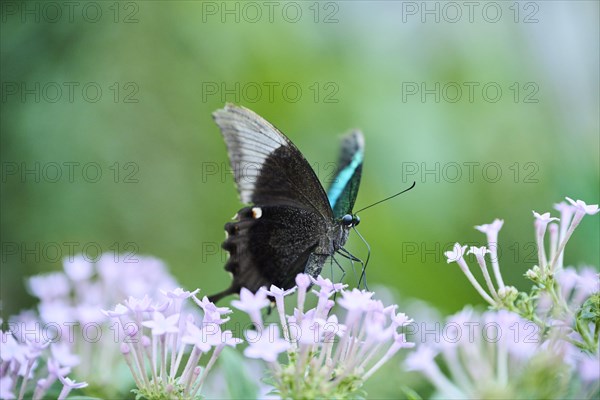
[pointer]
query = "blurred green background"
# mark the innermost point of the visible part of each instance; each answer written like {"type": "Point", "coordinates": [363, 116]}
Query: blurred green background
{"type": "Point", "coordinates": [163, 67]}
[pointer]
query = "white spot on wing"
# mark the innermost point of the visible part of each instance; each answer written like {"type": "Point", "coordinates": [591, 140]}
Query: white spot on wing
{"type": "Point", "coordinates": [256, 212]}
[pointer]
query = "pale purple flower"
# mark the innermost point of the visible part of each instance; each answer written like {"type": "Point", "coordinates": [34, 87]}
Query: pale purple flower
{"type": "Point", "coordinates": [78, 268]}
{"type": "Point", "coordinates": [161, 325]}
{"type": "Point", "coordinates": [566, 214]}
{"type": "Point", "coordinates": [276, 292]}
{"type": "Point", "coordinates": [326, 284]}
{"type": "Point", "coordinates": [520, 336]}
{"type": "Point", "coordinates": [88, 314]}
{"type": "Point", "coordinates": [6, 384]}
{"type": "Point", "coordinates": [71, 302]}
{"type": "Point", "coordinates": [491, 229]}
{"type": "Point", "coordinates": [228, 339]}
{"type": "Point", "coordinates": [68, 386]}
{"type": "Point", "coordinates": [589, 368]}
{"type": "Point", "coordinates": [478, 251]}
{"type": "Point", "coordinates": [212, 313]}
{"type": "Point", "coordinates": [303, 281]}
{"type": "Point", "coordinates": [108, 269]}
{"type": "Point", "coordinates": [332, 328]}
{"type": "Point", "coordinates": [119, 311]}
{"type": "Point", "coordinates": [583, 208]}
{"type": "Point", "coordinates": [544, 218]}
{"type": "Point", "coordinates": [57, 312]}
{"type": "Point", "coordinates": [61, 352]}
{"type": "Point", "coordinates": [377, 330]}
{"type": "Point", "coordinates": [491, 233]}
{"type": "Point", "coordinates": [322, 346]}
{"type": "Point", "coordinates": [456, 253]}
{"type": "Point", "coordinates": [251, 302]}
{"type": "Point", "coordinates": [138, 305]}
{"type": "Point", "coordinates": [564, 209]}
{"type": "Point", "coordinates": [589, 281]}
{"type": "Point", "coordinates": [541, 223]}
{"type": "Point", "coordinates": [576, 287]}
{"type": "Point", "coordinates": [196, 337]}
{"type": "Point", "coordinates": [10, 348]}
{"type": "Point", "coordinates": [309, 331]}
{"type": "Point", "coordinates": [421, 359]}
{"type": "Point", "coordinates": [55, 370]}
{"type": "Point", "coordinates": [355, 299]}
{"type": "Point", "coordinates": [179, 293]}
{"type": "Point", "coordinates": [33, 348]}
{"type": "Point", "coordinates": [401, 319]}
{"type": "Point", "coordinates": [49, 286]}
{"type": "Point", "coordinates": [400, 342]}
{"type": "Point", "coordinates": [266, 345]}
{"type": "Point", "coordinates": [494, 227]}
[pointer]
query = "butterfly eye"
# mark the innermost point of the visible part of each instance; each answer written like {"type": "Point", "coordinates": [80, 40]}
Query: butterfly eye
{"type": "Point", "coordinates": [347, 220]}
{"type": "Point", "coordinates": [356, 220]}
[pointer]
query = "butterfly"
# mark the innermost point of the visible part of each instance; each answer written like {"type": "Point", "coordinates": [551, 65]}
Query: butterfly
{"type": "Point", "coordinates": [291, 225]}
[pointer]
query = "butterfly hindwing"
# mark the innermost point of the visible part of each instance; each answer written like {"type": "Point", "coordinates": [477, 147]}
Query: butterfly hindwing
{"type": "Point", "coordinates": [344, 189]}
{"type": "Point", "coordinates": [271, 245]}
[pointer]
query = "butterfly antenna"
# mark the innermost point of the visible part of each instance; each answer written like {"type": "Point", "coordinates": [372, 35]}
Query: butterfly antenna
{"type": "Point", "coordinates": [387, 198]}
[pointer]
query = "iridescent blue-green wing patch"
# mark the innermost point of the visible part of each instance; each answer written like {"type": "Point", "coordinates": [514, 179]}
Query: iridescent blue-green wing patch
{"type": "Point", "coordinates": [344, 188]}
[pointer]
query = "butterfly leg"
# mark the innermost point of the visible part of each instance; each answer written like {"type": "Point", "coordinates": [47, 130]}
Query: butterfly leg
{"type": "Point", "coordinates": [363, 275]}
{"type": "Point", "coordinates": [333, 260]}
{"type": "Point", "coordinates": [346, 254]}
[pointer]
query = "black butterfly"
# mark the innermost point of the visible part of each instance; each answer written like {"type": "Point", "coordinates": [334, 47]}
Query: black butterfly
{"type": "Point", "coordinates": [293, 225]}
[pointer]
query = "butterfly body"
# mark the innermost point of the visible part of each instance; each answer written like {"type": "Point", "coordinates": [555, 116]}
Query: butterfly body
{"type": "Point", "coordinates": [292, 226]}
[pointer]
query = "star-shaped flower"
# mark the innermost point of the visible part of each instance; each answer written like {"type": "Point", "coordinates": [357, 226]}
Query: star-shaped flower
{"type": "Point", "coordinates": [582, 207]}
{"type": "Point", "coordinates": [251, 302]}
{"type": "Point", "coordinates": [279, 293]}
{"type": "Point", "coordinates": [72, 384]}
{"type": "Point", "coordinates": [266, 345]}
{"type": "Point", "coordinates": [179, 293]}
{"type": "Point", "coordinates": [119, 311]}
{"type": "Point", "coordinates": [161, 325]}
{"type": "Point", "coordinates": [456, 253]}
{"type": "Point", "coordinates": [492, 228]}
{"type": "Point", "coordinates": [355, 300]}
{"type": "Point", "coordinates": [544, 218]}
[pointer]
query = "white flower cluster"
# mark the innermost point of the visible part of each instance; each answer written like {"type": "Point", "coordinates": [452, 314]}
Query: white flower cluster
{"type": "Point", "coordinates": [156, 336]}
{"type": "Point", "coordinates": [327, 358]}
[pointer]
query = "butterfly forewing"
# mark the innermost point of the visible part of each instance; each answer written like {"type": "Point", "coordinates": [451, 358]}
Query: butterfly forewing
{"type": "Point", "coordinates": [268, 168]}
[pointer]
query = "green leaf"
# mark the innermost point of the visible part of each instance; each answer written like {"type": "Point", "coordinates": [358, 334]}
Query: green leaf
{"type": "Point", "coordinates": [590, 310]}
{"type": "Point", "coordinates": [239, 384]}
{"type": "Point", "coordinates": [410, 393]}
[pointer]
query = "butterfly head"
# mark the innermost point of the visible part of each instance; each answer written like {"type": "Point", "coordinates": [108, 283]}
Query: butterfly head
{"type": "Point", "coordinates": [350, 220]}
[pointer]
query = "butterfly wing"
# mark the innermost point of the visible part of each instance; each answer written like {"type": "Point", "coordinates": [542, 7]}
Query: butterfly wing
{"type": "Point", "coordinates": [268, 168]}
{"type": "Point", "coordinates": [344, 189]}
{"type": "Point", "coordinates": [285, 233]}
{"type": "Point", "coordinates": [273, 248]}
